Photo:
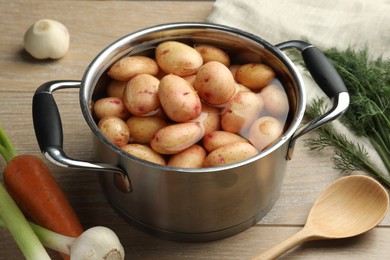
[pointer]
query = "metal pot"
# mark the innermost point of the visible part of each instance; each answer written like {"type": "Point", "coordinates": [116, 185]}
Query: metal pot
{"type": "Point", "coordinates": [190, 204]}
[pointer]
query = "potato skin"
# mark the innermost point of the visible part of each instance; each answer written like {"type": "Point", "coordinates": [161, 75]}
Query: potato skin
{"type": "Point", "coordinates": [142, 128]}
{"type": "Point", "coordinates": [110, 106]}
{"type": "Point", "coordinates": [241, 88]}
{"type": "Point", "coordinates": [217, 139]}
{"type": "Point", "coordinates": [144, 152]}
{"type": "Point", "coordinates": [212, 53]}
{"type": "Point", "coordinates": [212, 120]}
{"type": "Point", "coordinates": [179, 99]}
{"type": "Point", "coordinates": [214, 83]}
{"type": "Point", "coordinates": [141, 95]}
{"type": "Point", "coordinates": [241, 111]}
{"type": "Point", "coordinates": [175, 138]}
{"type": "Point", "coordinates": [254, 75]}
{"type": "Point", "coordinates": [115, 129]}
{"type": "Point", "coordinates": [178, 58]}
{"type": "Point", "coordinates": [275, 100]}
{"type": "Point", "coordinates": [128, 67]}
{"type": "Point", "coordinates": [192, 157]}
{"type": "Point", "coordinates": [190, 79]}
{"type": "Point", "coordinates": [264, 131]}
{"type": "Point", "coordinates": [230, 153]}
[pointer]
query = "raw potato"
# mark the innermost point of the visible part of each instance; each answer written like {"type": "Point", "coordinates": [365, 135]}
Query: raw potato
{"type": "Point", "coordinates": [110, 106]}
{"type": "Point", "coordinates": [141, 95]}
{"type": "Point", "coordinates": [115, 129]}
{"type": "Point", "coordinates": [128, 67]}
{"type": "Point", "coordinates": [211, 118]}
{"type": "Point", "coordinates": [178, 58]}
{"type": "Point", "coordinates": [211, 53]}
{"type": "Point", "coordinates": [116, 88]}
{"type": "Point", "coordinates": [176, 138]}
{"type": "Point", "coordinates": [179, 99]}
{"type": "Point", "coordinates": [192, 157]}
{"type": "Point", "coordinates": [275, 100]}
{"type": "Point", "coordinates": [230, 153]}
{"type": "Point", "coordinates": [142, 128]}
{"type": "Point", "coordinates": [241, 88]}
{"type": "Point", "coordinates": [255, 75]}
{"type": "Point", "coordinates": [217, 139]}
{"type": "Point", "coordinates": [215, 83]}
{"type": "Point", "coordinates": [241, 111]}
{"type": "Point", "coordinates": [264, 131]}
{"type": "Point", "coordinates": [190, 79]}
{"type": "Point", "coordinates": [144, 152]}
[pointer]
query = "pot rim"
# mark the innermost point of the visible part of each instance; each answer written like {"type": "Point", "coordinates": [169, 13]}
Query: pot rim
{"type": "Point", "coordinates": [90, 77]}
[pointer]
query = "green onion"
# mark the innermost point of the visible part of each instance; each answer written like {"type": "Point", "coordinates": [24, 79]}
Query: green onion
{"type": "Point", "coordinates": [7, 150]}
{"type": "Point", "coordinates": [14, 220]}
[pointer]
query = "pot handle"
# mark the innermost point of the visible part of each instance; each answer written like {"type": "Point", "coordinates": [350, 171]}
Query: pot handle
{"type": "Point", "coordinates": [49, 134]}
{"type": "Point", "coordinates": [327, 78]}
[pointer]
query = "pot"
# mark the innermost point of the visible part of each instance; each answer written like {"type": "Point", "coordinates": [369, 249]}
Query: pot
{"type": "Point", "coordinates": [190, 204]}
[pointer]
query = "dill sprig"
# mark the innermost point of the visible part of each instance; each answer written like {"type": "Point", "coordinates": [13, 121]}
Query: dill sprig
{"type": "Point", "coordinates": [368, 116]}
{"type": "Point", "coordinates": [349, 156]}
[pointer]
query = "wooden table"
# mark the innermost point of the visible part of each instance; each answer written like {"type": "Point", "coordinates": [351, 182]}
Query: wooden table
{"type": "Point", "coordinates": [93, 25]}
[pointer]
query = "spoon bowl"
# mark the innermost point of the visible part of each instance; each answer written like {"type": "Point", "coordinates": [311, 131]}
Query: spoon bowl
{"type": "Point", "coordinates": [348, 207]}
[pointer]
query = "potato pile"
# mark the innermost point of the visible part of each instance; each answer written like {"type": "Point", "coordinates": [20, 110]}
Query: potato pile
{"type": "Point", "coordinates": [189, 107]}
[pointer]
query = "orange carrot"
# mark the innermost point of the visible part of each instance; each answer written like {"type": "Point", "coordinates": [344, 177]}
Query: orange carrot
{"type": "Point", "coordinates": [31, 184]}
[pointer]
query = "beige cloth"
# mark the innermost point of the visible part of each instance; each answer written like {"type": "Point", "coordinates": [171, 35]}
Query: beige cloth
{"type": "Point", "coordinates": [325, 24]}
{"type": "Point", "coordinates": [331, 23]}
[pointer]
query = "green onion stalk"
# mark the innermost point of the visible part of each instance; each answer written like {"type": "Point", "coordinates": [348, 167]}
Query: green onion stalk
{"type": "Point", "coordinates": [13, 219]}
{"type": "Point", "coordinates": [368, 116]}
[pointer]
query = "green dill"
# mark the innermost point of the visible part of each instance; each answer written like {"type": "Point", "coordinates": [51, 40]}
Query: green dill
{"type": "Point", "coordinates": [368, 116]}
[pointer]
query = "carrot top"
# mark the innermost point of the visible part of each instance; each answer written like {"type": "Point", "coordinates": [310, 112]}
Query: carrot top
{"type": "Point", "coordinates": [6, 147]}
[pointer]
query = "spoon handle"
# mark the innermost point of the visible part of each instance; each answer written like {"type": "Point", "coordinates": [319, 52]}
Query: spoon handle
{"type": "Point", "coordinates": [282, 247]}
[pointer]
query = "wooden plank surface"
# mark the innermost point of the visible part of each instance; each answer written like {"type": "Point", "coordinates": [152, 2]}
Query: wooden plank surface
{"type": "Point", "coordinates": [93, 25]}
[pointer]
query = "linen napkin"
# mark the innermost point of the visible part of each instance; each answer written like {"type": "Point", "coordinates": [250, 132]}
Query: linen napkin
{"type": "Point", "coordinates": [331, 23]}
{"type": "Point", "coordinates": [325, 24]}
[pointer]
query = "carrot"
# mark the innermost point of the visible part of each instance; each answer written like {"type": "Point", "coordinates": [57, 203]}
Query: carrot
{"type": "Point", "coordinates": [31, 184]}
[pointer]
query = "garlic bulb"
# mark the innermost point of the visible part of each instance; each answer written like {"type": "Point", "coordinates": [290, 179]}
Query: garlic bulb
{"type": "Point", "coordinates": [47, 39]}
{"type": "Point", "coordinates": [98, 243]}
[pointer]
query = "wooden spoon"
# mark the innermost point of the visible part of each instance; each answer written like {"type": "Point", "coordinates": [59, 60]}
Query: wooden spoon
{"type": "Point", "coordinates": [350, 206]}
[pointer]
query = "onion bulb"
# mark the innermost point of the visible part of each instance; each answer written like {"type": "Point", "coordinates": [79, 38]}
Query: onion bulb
{"type": "Point", "coordinates": [47, 38]}
{"type": "Point", "coordinates": [97, 243]}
